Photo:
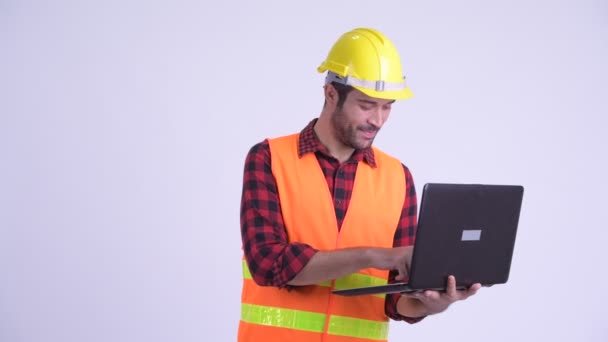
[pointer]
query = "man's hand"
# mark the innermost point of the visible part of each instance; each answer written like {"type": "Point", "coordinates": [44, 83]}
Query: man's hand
{"type": "Point", "coordinates": [327, 265]}
{"type": "Point", "coordinates": [431, 302]}
{"type": "Point", "coordinates": [397, 258]}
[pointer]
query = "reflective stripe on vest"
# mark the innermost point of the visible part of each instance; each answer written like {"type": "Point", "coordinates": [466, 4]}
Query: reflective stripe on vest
{"type": "Point", "coordinates": [313, 322]}
{"type": "Point", "coordinates": [347, 282]}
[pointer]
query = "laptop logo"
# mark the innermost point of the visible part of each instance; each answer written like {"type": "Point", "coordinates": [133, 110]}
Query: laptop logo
{"type": "Point", "coordinates": [471, 234]}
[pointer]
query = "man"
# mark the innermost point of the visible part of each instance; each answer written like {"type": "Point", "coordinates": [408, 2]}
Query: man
{"type": "Point", "coordinates": [323, 209]}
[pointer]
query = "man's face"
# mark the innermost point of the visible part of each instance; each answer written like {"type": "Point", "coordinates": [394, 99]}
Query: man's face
{"type": "Point", "coordinates": [357, 122]}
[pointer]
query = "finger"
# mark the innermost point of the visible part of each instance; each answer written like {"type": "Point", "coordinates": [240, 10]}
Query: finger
{"type": "Point", "coordinates": [403, 272]}
{"type": "Point", "coordinates": [431, 295]}
{"type": "Point", "coordinates": [451, 287]}
{"type": "Point", "coordinates": [415, 295]}
{"type": "Point", "coordinates": [425, 296]}
{"type": "Point", "coordinates": [473, 289]}
{"type": "Point", "coordinates": [470, 291]}
{"type": "Point", "coordinates": [410, 295]}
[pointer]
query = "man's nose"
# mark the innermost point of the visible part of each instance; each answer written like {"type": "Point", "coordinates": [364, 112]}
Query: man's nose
{"type": "Point", "coordinates": [376, 118]}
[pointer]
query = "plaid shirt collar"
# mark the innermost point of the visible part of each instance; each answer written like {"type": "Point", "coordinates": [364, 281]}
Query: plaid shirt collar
{"type": "Point", "coordinates": [308, 142]}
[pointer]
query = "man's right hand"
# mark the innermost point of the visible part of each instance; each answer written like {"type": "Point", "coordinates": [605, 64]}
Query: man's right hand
{"type": "Point", "coordinates": [327, 265]}
{"type": "Point", "coordinates": [398, 258]}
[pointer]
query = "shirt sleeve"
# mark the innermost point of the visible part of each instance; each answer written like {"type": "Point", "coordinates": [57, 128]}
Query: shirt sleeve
{"type": "Point", "coordinates": [404, 236]}
{"type": "Point", "coordinates": [272, 260]}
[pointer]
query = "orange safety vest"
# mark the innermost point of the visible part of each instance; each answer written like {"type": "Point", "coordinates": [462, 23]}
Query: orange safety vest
{"type": "Point", "coordinates": [312, 313]}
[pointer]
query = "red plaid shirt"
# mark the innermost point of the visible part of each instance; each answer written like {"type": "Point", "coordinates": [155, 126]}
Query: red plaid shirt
{"type": "Point", "coordinates": [272, 260]}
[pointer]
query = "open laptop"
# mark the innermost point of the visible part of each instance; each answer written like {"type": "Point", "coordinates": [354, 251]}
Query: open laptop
{"type": "Point", "coordinates": [465, 230]}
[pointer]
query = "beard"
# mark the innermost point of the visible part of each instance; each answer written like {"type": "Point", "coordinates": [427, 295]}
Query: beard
{"type": "Point", "coordinates": [348, 134]}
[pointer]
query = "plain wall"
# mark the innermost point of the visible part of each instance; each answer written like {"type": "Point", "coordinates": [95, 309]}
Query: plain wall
{"type": "Point", "coordinates": [124, 126]}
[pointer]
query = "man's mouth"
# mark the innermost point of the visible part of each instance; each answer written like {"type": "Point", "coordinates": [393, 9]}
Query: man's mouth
{"type": "Point", "coordinates": [369, 133]}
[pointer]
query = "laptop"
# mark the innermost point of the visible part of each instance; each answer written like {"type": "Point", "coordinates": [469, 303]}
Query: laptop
{"type": "Point", "coordinates": [465, 230]}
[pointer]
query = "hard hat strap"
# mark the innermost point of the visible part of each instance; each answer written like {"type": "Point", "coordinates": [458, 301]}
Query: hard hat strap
{"type": "Point", "coordinates": [373, 85]}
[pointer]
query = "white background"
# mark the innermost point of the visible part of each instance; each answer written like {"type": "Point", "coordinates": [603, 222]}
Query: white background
{"type": "Point", "coordinates": [124, 126]}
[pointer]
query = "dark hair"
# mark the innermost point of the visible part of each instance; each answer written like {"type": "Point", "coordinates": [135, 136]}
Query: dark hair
{"type": "Point", "coordinates": [343, 91]}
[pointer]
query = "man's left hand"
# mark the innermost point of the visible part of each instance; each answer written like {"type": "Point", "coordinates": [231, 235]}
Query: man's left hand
{"type": "Point", "coordinates": [436, 302]}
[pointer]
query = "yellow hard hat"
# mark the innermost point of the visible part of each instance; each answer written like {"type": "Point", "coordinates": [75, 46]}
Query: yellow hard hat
{"type": "Point", "coordinates": [367, 60]}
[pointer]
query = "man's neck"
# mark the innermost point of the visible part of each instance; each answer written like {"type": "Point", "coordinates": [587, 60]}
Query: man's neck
{"type": "Point", "coordinates": [334, 146]}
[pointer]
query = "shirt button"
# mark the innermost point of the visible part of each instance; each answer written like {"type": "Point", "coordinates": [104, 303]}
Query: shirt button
{"type": "Point", "coordinates": [338, 201]}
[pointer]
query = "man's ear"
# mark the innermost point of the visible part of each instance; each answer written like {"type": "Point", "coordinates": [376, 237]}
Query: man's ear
{"type": "Point", "coordinates": [331, 94]}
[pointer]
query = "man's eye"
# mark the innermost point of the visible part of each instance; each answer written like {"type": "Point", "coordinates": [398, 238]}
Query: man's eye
{"type": "Point", "coordinates": [366, 107]}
